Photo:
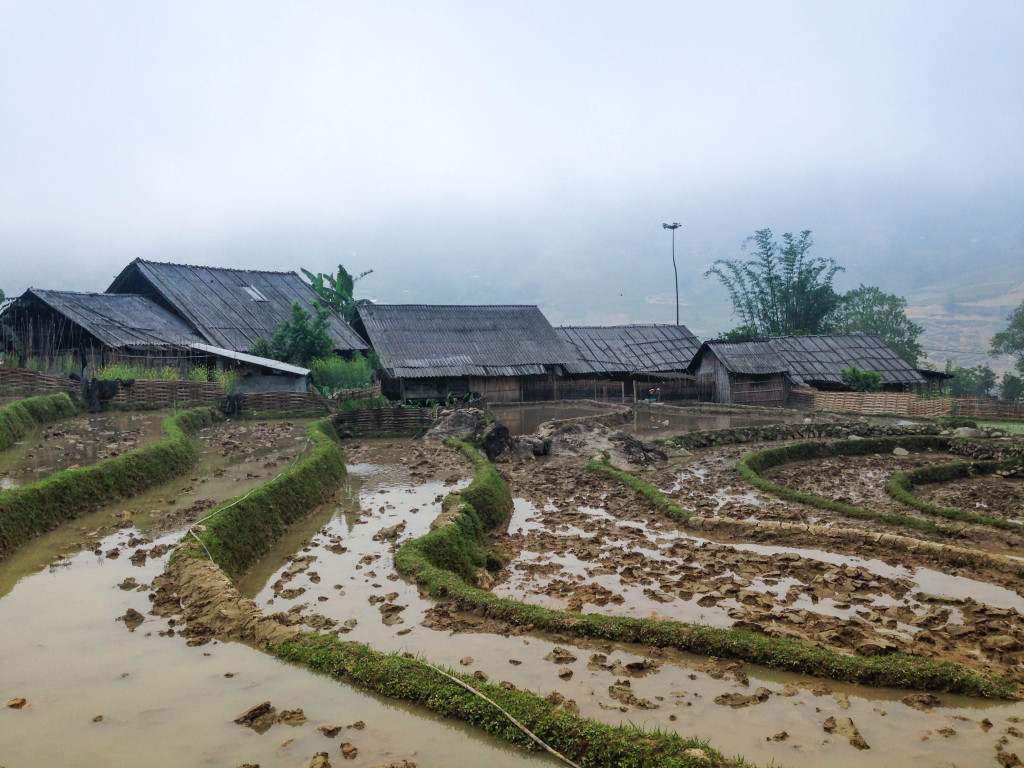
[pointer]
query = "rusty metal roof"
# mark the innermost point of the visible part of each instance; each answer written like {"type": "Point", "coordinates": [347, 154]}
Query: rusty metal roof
{"type": "Point", "coordinates": [229, 308]}
{"type": "Point", "coordinates": [630, 348]}
{"type": "Point", "coordinates": [427, 341]}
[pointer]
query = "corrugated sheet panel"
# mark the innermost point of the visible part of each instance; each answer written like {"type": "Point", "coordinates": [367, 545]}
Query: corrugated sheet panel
{"type": "Point", "coordinates": [630, 348]}
{"type": "Point", "coordinates": [810, 359]}
{"type": "Point", "coordinates": [425, 341]}
{"type": "Point", "coordinates": [118, 320]}
{"type": "Point", "coordinates": [231, 308]}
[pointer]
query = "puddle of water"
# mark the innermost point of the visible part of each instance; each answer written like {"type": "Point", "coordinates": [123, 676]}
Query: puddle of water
{"type": "Point", "coordinates": [525, 419]}
{"type": "Point", "coordinates": [655, 422]}
{"type": "Point", "coordinates": [681, 689]}
{"type": "Point", "coordinates": [78, 442]}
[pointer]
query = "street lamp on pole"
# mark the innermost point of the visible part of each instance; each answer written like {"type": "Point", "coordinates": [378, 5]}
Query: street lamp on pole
{"type": "Point", "coordinates": [674, 226]}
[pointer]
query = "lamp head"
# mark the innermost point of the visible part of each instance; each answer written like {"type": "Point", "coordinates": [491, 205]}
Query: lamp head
{"type": "Point", "coordinates": [674, 225]}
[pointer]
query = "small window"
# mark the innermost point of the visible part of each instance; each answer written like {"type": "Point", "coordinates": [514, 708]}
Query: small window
{"type": "Point", "coordinates": [254, 293]}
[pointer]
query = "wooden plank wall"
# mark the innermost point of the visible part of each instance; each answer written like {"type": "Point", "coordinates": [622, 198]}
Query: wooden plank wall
{"type": "Point", "coordinates": [576, 389]}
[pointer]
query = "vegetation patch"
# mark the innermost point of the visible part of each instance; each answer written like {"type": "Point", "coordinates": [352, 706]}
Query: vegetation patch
{"type": "Point", "coordinates": [238, 533]}
{"type": "Point", "coordinates": [901, 487]}
{"type": "Point", "coordinates": [442, 571]}
{"type": "Point", "coordinates": [44, 505]}
{"type": "Point", "coordinates": [17, 419]}
{"type": "Point", "coordinates": [582, 740]}
{"type": "Point", "coordinates": [754, 464]}
{"type": "Point", "coordinates": [664, 503]}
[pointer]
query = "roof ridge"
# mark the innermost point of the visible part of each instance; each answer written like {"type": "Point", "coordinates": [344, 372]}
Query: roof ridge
{"type": "Point", "coordinates": [140, 260]}
{"type": "Point", "coordinates": [458, 306]}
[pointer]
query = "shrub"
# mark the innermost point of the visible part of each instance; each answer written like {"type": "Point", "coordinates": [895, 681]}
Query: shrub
{"type": "Point", "coordinates": [330, 374]}
{"type": "Point", "coordinates": [862, 381]}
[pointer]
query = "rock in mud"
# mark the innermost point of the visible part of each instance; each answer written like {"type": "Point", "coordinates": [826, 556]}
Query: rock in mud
{"type": "Point", "coordinates": [560, 656]}
{"type": "Point", "coordinates": [780, 736]}
{"type": "Point", "coordinates": [738, 700]}
{"type": "Point", "coordinates": [844, 727]}
{"type": "Point", "coordinates": [497, 442]}
{"type": "Point", "coordinates": [320, 760]}
{"type": "Point", "coordinates": [389, 613]}
{"type": "Point", "coordinates": [565, 673]}
{"type": "Point", "coordinates": [330, 731]}
{"type": "Point", "coordinates": [259, 717]}
{"type": "Point", "coordinates": [457, 424]}
{"type": "Point", "coordinates": [358, 725]}
{"type": "Point", "coordinates": [1007, 759]}
{"type": "Point", "coordinates": [17, 703]}
{"type": "Point", "coordinates": [389, 534]}
{"type": "Point", "coordinates": [923, 702]}
{"type": "Point", "coordinates": [132, 619]}
{"type": "Point", "coordinates": [466, 661]}
{"type": "Point", "coordinates": [292, 717]}
{"type": "Point", "coordinates": [349, 751]}
{"type": "Point", "coordinates": [622, 691]}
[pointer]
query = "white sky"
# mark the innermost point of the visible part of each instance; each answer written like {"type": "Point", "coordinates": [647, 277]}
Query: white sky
{"type": "Point", "coordinates": [516, 152]}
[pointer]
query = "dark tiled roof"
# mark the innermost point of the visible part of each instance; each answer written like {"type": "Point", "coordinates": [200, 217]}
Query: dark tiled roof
{"type": "Point", "coordinates": [421, 340]}
{"type": "Point", "coordinates": [229, 308]}
{"type": "Point", "coordinates": [117, 320]}
{"type": "Point", "coordinates": [815, 359]}
{"type": "Point", "coordinates": [630, 348]}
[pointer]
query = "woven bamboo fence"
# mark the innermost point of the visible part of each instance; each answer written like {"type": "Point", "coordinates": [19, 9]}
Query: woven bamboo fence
{"type": "Point", "coordinates": [23, 378]}
{"type": "Point", "coordinates": [159, 391]}
{"type": "Point", "coordinates": [398, 420]}
{"type": "Point", "coordinates": [359, 393]}
{"type": "Point", "coordinates": [909, 404]}
{"type": "Point", "coordinates": [283, 402]}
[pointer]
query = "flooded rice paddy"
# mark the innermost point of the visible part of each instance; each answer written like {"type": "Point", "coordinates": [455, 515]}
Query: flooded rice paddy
{"type": "Point", "coordinates": [97, 670]}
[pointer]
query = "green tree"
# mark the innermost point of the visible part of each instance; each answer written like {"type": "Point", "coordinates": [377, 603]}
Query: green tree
{"type": "Point", "coordinates": [337, 292]}
{"type": "Point", "coordinates": [299, 340]}
{"type": "Point", "coordinates": [1011, 340]}
{"type": "Point", "coordinates": [861, 381]}
{"type": "Point", "coordinates": [867, 310]}
{"type": "Point", "coordinates": [782, 290]}
{"type": "Point", "coordinates": [978, 381]}
{"type": "Point", "coordinates": [1, 295]}
{"type": "Point", "coordinates": [1011, 388]}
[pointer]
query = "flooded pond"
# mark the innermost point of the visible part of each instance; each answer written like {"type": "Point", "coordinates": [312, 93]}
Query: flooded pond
{"type": "Point", "coordinates": [651, 421]}
{"type": "Point", "coordinates": [78, 442]}
{"type": "Point", "coordinates": [524, 419]}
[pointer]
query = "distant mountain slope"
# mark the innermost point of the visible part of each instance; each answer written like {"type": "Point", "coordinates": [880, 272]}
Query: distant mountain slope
{"type": "Point", "coordinates": [961, 314]}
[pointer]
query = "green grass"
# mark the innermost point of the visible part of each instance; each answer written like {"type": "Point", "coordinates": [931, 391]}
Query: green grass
{"type": "Point", "coordinates": [241, 531]}
{"type": "Point", "coordinates": [42, 506]}
{"type": "Point", "coordinates": [662, 502]}
{"type": "Point", "coordinates": [17, 419]}
{"type": "Point", "coordinates": [752, 465]}
{"type": "Point", "coordinates": [901, 487]}
{"type": "Point", "coordinates": [1012, 427]}
{"type": "Point", "coordinates": [443, 564]}
{"type": "Point", "coordinates": [334, 373]}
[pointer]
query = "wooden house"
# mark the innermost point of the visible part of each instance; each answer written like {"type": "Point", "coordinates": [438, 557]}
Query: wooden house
{"type": "Point", "coordinates": [762, 372]}
{"type": "Point", "coordinates": [644, 357]}
{"type": "Point", "coordinates": [433, 351]}
{"type": "Point", "coordinates": [228, 308]}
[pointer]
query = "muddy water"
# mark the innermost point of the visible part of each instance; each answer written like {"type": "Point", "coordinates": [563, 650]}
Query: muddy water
{"type": "Point", "coordinates": [666, 689]}
{"type": "Point", "coordinates": [159, 701]}
{"type": "Point", "coordinates": [654, 421]}
{"type": "Point", "coordinates": [78, 442]}
{"type": "Point", "coordinates": [525, 419]}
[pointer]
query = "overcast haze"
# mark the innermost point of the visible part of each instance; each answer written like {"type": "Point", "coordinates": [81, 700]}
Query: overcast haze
{"type": "Point", "coordinates": [525, 153]}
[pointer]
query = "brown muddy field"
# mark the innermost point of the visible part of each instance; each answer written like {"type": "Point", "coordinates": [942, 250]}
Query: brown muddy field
{"type": "Point", "coordinates": [578, 541]}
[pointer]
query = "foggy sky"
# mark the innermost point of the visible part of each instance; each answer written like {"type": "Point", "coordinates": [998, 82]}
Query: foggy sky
{"type": "Point", "coordinates": [528, 152]}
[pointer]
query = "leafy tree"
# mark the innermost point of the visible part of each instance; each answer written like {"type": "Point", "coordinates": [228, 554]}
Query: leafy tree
{"type": "Point", "coordinates": [1, 296]}
{"type": "Point", "coordinates": [867, 310]}
{"type": "Point", "coordinates": [978, 381]}
{"type": "Point", "coordinates": [338, 292]}
{"type": "Point", "coordinates": [861, 381]}
{"type": "Point", "coordinates": [739, 333]}
{"type": "Point", "coordinates": [298, 340]}
{"type": "Point", "coordinates": [1012, 388]}
{"type": "Point", "coordinates": [1011, 340]}
{"type": "Point", "coordinates": [782, 290]}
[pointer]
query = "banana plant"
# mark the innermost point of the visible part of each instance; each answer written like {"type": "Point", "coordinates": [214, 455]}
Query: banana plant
{"type": "Point", "coordinates": [337, 291]}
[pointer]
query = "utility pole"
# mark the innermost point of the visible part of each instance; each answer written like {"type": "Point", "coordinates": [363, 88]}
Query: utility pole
{"type": "Point", "coordinates": [674, 226]}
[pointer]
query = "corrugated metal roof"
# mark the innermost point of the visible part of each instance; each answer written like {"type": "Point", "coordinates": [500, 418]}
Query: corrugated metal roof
{"type": "Point", "coordinates": [814, 359]}
{"type": "Point", "coordinates": [117, 320]}
{"type": "Point", "coordinates": [630, 348]}
{"type": "Point", "coordinates": [425, 341]}
{"type": "Point", "coordinates": [224, 305]}
{"type": "Point", "coordinates": [263, 362]}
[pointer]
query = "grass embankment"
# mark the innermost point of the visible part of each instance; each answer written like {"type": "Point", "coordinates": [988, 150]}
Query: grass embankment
{"type": "Point", "coordinates": [441, 561]}
{"type": "Point", "coordinates": [17, 419]}
{"type": "Point", "coordinates": [752, 465]}
{"type": "Point", "coordinates": [44, 505]}
{"type": "Point", "coordinates": [240, 532]}
{"type": "Point", "coordinates": [663, 503]}
{"type": "Point", "coordinates": [901, 487]}
{"type": "Point", "coordinates": [582, 740]}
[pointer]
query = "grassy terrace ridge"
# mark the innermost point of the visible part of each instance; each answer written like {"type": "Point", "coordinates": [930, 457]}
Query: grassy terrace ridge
{"type": "Point", "coordinates": [901, 487]}
{"type": "Point", "coordinates": [17, 419]}
{"type": "Point", "coordinates": [752, 465]}
{"type": "Point", "coordinates": [442, 560]}
{"type": "Point", "coordinates": [583, 740]}
{"type": "Point", "coordinates": [43, 505]}
{"type": "Point", "coordinates": [240, 532]}
{"type": "Point", "coordinates": [663, 502]}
